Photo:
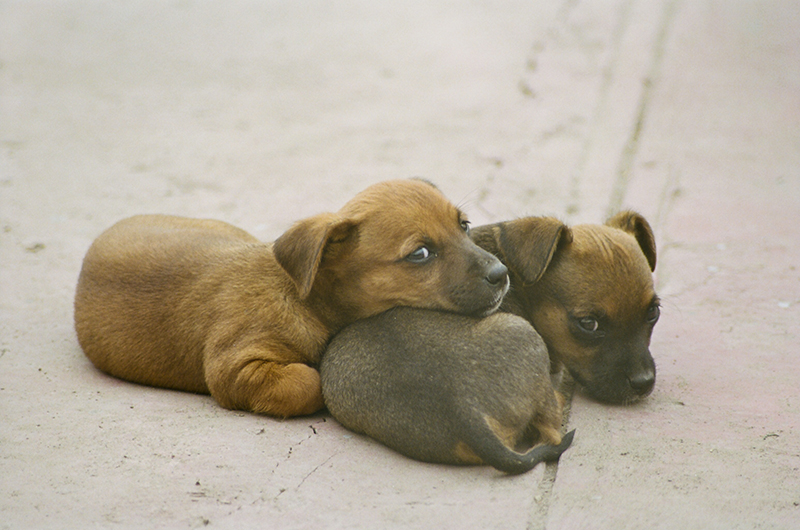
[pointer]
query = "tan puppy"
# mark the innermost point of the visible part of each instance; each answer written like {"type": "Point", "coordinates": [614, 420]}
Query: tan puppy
{"type": "Point", "coordinates": [201, 306]}
{"type": "Point", "coordinates": [588, 290]}
{"type": "Point", "coordinates": [447, 388]}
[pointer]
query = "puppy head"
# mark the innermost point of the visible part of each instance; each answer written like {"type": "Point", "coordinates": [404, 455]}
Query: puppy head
{"type": "Point", "coordinates": [589, 292]}
{"type": "Point", "coordinates": [396, 243]}
{"type": "Point", "coordinates": [595, 306]}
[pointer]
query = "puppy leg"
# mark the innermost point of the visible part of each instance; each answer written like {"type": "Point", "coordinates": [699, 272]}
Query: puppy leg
{"type": "Point", "coordinates": [264, 386]}
{"type": "Point", "coordinates": [548, 420]}
{"type": "Point", "coordinates": [549, 434]}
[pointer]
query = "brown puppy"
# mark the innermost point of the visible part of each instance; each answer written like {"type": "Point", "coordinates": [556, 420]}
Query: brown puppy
{"type": "Point", "coordinates": [201, 306]}
{"type": "Point", "coordinates": [447, 388]}
{"type": "Point", "coordinates": [588, 290]}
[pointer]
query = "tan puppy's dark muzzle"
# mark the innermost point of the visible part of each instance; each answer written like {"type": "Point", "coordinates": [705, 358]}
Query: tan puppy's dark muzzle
{"type": "Point", "coordinates": [497, 273]}
{"type": "Point", "coordinates": [202, 306]}
{"type": "Point", "coordinates": [485, 297]}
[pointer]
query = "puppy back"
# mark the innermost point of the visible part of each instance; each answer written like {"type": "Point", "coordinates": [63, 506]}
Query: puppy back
{"type": "Point", "coordinates": [428, 383]}
{"type": "Point", "coordinates": [137, 280]}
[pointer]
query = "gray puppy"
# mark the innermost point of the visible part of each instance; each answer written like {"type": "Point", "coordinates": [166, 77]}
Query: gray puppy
{"type": "Point", "coordinates": [447, 388]}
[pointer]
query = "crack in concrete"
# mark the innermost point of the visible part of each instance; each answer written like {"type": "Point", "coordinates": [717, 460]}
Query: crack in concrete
{"type": "Point", "coordinates": [576, 175]}
{"type": "Point", "coordinates": [291, 447]}
{"type": "Point", "coordinates": [314, 471]}
{"type": "Point", "coordinates": [631, 148]}
{"type": "Point", "coordinates": [538, 516]}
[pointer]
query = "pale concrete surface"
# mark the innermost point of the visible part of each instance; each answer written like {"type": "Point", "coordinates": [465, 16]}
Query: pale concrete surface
{"type": "Point", "coordinates": [260, 113]}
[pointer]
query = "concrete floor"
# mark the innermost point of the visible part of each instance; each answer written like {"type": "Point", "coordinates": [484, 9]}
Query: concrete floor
{"type": "Point", "coordinates": [260, 113]}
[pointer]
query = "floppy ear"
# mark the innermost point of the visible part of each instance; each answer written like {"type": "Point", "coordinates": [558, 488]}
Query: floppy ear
{"type": "Point", "coordinates": [639, 228]}
{"type": "Point", "coordinates": [526, 246]}
{"type": "Point", "coordinates": [299, 250]}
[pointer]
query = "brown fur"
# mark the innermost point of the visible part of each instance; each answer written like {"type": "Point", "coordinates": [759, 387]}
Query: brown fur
{"type": "Point", "coordinates": [561, 275]}
{"type": "Point", "coordinates": [202, 306]}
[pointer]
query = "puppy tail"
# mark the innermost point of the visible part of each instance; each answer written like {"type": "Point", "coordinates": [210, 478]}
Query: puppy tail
{"type": "Point", "coordinates": [492, 451]}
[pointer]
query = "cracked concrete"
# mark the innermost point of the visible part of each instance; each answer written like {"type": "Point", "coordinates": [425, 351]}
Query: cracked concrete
{"type": "Point", "coordinates": [260, 113]}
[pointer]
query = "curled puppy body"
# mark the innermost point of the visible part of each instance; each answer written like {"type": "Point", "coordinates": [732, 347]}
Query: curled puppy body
{"type": "Point", "coordinates": [447, 388]}
{"type": "Point", "coordinates": [588, 290]}
{"type": "Point", "coordinates": [202, 306]}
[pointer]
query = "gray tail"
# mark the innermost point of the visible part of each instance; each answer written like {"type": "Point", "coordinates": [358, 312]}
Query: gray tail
{"type": "Point", "coordinates": [494, 452]}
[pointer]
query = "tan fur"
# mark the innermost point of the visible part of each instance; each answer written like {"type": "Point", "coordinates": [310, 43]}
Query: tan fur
{"type": "Point", "coordinates": [463, 454]}
{"type": "Point", "coordinates": [202, 306]}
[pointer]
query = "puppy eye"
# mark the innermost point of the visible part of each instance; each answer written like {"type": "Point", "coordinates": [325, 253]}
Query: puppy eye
{"type": "Point", "coordinates": [587, 328]}
{"type": "Point", "coordinates": [589, 324]}
{"type": "Point", "coordinates": [421, 255]}
{"type": "Point", "coordinates": [465, 226]}
{"type": "Point", "coordinates": [653, 312]}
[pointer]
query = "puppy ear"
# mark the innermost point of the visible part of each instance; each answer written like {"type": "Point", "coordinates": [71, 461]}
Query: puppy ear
{"type": "Point", "coordinates": [638, 227]}
{"type": "Point", "coordinates": [300, 249]}
{"type": "Point", "coordinates": [526, 246]}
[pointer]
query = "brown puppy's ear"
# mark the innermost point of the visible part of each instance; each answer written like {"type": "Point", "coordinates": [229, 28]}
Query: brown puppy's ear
{"type": "Point", "coordinates": [299, 250]}
{"type": "Point", "coordinates": [527, 245]}
{"type": "Point", "coordinates": [639, 228]}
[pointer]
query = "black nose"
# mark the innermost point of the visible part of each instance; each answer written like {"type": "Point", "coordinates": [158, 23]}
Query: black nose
{"type": "Point", "coordinates": [496, 273]}
{"type": "Point", "coordinates": [643, 382]}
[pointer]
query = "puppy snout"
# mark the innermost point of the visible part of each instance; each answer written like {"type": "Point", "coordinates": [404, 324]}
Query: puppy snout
{"type": "Point", "coordinates": [642, 383]}
{"type": "Point", "coordinates": [497, 273]}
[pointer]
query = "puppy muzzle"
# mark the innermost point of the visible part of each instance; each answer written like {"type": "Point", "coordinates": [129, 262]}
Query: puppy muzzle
{"type": "Point", "coordinates": [498, 299]}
